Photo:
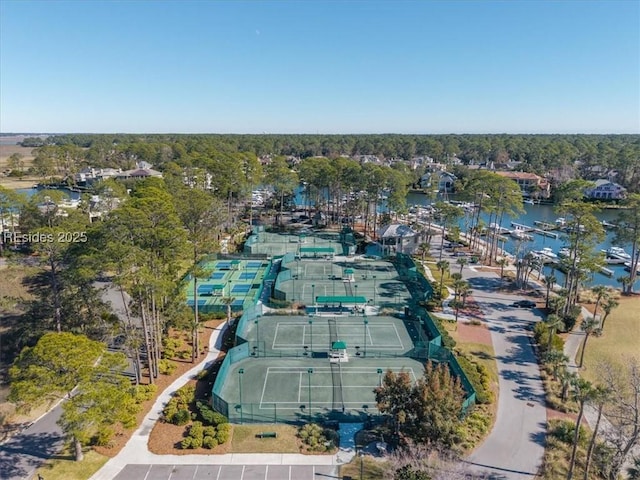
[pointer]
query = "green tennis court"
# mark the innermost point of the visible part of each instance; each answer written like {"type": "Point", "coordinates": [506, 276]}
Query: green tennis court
{"type": "Point", "coordinates": [286, 336]}
{"type": "Point", "coordinates": [292, 389]}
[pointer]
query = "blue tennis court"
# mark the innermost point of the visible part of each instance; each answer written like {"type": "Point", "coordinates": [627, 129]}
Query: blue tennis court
{"type": "Point", "coordinates": [241, 288]}
{"type": "Point", "coordinates": [217, 275]}
{"type": "Point", "coordinates": [205, 289]}
{"type": "Point", "coordinates": [223, 265]}
{"type": "Point", "coordinates": [254, 264]}
{"type": "Point", "coordinates": [247, 276]}
{"type": "Point", "coordinates": [237, 303]}
{"type": "Point", "coordinates": [201, 303]}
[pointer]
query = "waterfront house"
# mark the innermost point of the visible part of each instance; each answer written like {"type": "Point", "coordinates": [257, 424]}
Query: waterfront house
{"type": "Point", "coordinates": [440, 180]}
{"type": "Point", "coordinates": [605, 190]}
{"type": "Point", "coordinates": [530, 184]}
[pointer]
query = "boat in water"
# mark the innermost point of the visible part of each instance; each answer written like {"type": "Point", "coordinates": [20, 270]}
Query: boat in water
{"type": "Point", "coordinates": [546, 254]}
{"type": "Point", "coordinates": [617, 253]}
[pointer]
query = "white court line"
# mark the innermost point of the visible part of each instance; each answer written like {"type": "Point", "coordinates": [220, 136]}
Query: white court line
{"type": "Point", "coordinates": [264, 385]}
{"type": "Point", "coordinates": [299, 387]}
{"type": "Point", "coordinates": [398, 335]}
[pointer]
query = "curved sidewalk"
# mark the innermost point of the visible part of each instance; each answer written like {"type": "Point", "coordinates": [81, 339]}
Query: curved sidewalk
{"type": "Point", "coordinates": [136, 450]}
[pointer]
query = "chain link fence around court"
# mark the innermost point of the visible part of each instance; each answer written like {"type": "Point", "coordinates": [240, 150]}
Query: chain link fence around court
{"type": "Point", "coordinates": [427, 345]}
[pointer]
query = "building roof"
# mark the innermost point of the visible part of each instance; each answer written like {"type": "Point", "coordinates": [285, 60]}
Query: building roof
{"type": "Point", "coordinates": [339, 345]}
{"type": "Point", "coordinates": [396, 230]}
{"type": "Point", "coordinates": [520, 175]}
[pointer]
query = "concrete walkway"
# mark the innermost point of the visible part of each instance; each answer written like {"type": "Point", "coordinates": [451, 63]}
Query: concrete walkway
{"type": "Point", "coordinates": [136, 451]}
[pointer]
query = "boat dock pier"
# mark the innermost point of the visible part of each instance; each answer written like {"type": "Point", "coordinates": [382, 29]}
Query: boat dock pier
{"type": "Point", "coordinates": [540, 231]}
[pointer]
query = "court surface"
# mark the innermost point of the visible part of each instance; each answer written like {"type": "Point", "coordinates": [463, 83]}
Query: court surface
{"type": "Point", "coordinates": [274, 389]}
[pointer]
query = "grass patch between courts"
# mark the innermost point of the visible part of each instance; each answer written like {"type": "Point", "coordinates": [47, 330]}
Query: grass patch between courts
{"type": "Point", "coordinates": [244, 439]}
{"type": "Point", "coordinates": [69, 469]}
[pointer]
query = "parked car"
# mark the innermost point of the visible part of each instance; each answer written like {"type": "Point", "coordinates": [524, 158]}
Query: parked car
{"type": "Point", "coordinates": [524, 304]}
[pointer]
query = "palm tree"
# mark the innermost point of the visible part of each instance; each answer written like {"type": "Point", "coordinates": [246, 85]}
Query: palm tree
{"type": "Point", "coordinates": [566, 380]}
{"type": "Point", "coordinates": [582, 393]}
{"type": "Point", "coordinates": [554, 322]}
{"type": "Point", "coordinates": [443, 266]}
{"type": "Point", "coordinates": [556, 359]}
{"type": "Point", "coordinates": [556, 304]}
{"type": "Point", "coordinates": [634, 470]}
{"type": "Point", "coordinates": [465, 291]}
{"type": "Point", "coordinates": [462, 262]}
{"type": "Point", "coordinates": [588, 326]}
{"type": "Point", "coordinates": [549, 281]}
{"type": "Point", "coordinates": [503, 262]}
{"type": "Point", "coordinates": [423, 249]}
{"type": "Point", "coordinates": [601, 292]}
{"type": "Point", "coordinates": [599, 397]}
{"type": "Point", "coordinates": [228, 301]}
{"type": "Point", "coordinates": [608, 306]}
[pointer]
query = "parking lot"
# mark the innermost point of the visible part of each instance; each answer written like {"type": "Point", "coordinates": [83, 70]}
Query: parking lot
{"type": "Point", "coordinates": [228, 472]}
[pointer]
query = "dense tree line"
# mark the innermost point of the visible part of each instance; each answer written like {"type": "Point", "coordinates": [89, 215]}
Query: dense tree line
{"type": "Point", "coordinates": [538, 153]}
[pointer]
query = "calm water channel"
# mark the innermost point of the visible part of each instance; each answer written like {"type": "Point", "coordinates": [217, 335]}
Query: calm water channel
{"type": "Point", "coordinates": [546, 213]}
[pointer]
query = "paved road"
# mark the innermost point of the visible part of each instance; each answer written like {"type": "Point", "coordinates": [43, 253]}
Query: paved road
{"type": "Point", "coordinates": [26, 451]}
{"type": "Point", "coordinates": [515, 446]}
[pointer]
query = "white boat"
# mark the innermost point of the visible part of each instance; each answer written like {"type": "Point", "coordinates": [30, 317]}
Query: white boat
{"type": "Point", "coordinates": [520, 235]}
{"type": "Point", "coordinates": [530, 201]}
{"type": "Point", "coordinates": [547, 254]}
{"type": "Point", "coordinates": [617, 252]}
{"type": "Point", "coordinates": [627, 267]}
{"type": "Point", "coordinates": [561, 221]}
{"type": "Point", "coordinates": [564, 252]}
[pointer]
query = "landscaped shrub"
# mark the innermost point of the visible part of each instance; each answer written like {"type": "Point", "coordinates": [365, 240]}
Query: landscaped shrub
{"type": "Point", "coordinates": [478, 376]}
{"type": "Point", "coordinates": [447, 341]}
{"type": "Point", "coordinates": [177, 409]}
{"type": "Point", "coordinates": [166, 367]}
{"type": "Point", "coordinates": [181, 417]}
{"type": "Point", "coordinates": [564, 430]}
{"type": "Point", "coordinates": [314, 437]}
{"type": "Point", "coordinates": [185, 443]}
{"type": "Point", "coordinates": [209, 415]}
{"type": "Point", "coordinates": [571, 318]}
{"type": "Point", "coordinates": [209, 431]}
{"type": "Point", "coordinates": [209, 442]}
{"type": "Point", "coordinates": [144, 392]}
{"type": "Point", "coordinates": [170, 347]}
{"type": "Point", "coordinates": [541, 336]}
{"type": "Point", "coordinates": [196, 442]}
{"type": "Point", "coordinates": [224, 433]}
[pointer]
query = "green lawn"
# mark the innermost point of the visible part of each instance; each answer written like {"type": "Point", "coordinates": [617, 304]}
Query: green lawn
{"type": "Point", "coordinates": [68, 469]}
{"type": "Point", "coordinates": [244, 439]}
{"type": "Point", "coordinates": [620, 339]}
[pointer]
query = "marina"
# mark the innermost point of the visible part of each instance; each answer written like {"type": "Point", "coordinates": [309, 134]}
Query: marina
{"type": "Point", "coordinates": [544, 218]}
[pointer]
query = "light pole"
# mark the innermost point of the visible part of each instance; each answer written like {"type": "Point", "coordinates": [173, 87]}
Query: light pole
{"type": "Point", "coordinates": [240, 374]}
{"type": "Point", "coordinates": [310, 371]}
{"type": "Point", "coordinates": [311, 340]}
{"type": "Point", "coordinates": [366, 322]}
{"type": "Point", "coordinates": [257, 324]}
{"type": "Point", "coordinates": [359, 454]}
{"type": "Point", "coordinates": [380, 377]}
{"type": "Point", "coordinates": [374, 289]}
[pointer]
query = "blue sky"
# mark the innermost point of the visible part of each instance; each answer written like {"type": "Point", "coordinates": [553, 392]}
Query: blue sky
{"type": "Point", "coordinates": [320, 66]}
